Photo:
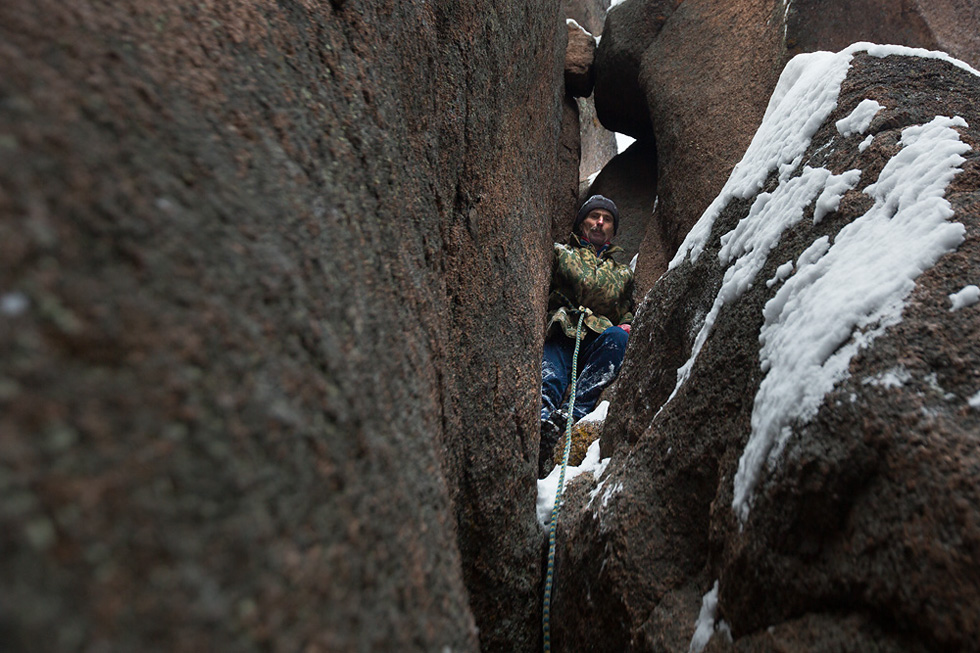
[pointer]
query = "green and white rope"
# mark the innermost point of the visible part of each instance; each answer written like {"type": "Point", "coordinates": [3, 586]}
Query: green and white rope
{"type": "Point", "coordinates": [553, 527]}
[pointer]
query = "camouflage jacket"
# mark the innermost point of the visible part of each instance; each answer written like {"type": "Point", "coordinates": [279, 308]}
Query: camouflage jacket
{"type": "Point", "coordinates": [581, 278]}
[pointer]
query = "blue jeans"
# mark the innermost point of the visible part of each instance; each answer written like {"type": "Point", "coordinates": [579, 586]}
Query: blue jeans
{"type": "Point", "coordinates": [599, 359]}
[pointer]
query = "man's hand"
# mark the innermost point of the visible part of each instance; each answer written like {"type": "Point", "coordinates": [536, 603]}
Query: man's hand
{"type": "Point", "coordinates": [625, 327]}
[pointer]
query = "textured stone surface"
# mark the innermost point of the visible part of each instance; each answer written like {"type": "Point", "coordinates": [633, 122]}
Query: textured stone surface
{"type": "Point", "coordinates": [579, 76]}
{"type": "Point", "coordinates": [866, 530]}
{"type": "Point", "coordinates": [590, 14]}
{"type": "Point", "coordinates": [695, 80]}
{"type": "Point", "coordinates": [271, 293]}
{"type": "Point", "coordinates": [707, 80]}
{"type": "Point", "coordinates": [569, 152]}
{"type": "Point", "coordinates": [598, 144]}
{"type": "Point", "coordinates": [947, 25]}
{"type": "Point", "coordinates": [620, 100]}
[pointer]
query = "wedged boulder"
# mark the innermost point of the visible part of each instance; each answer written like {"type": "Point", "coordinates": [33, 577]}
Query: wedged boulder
{"type": "Point", "coordinates": [272, 285]}
{"type": "Point", "coordinates": [620, 100]}
{"type": "Point", "coordinates": [793, 433]}
{"type": "Point", "coordinates": [579, 55]}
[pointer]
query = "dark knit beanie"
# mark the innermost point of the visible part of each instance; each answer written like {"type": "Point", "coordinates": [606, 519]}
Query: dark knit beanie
{"type": "Point", "coordinates": [593, 203]}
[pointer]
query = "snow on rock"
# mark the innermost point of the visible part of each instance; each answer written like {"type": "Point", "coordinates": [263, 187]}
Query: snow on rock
{"type": "Point", "coordinates": [860, 119]}
{"type": "Point", "coordinates": [548, 486]}
{"type": "Point", "coordinates": [893, 378]}
{"type": "Point", "coordinates": [782, 274]}
{"type": "Point", "coordinates": [13, 304]}
{"type": "Point", "coordinates": [757, 234]}
{"type": "Point", "coordinates": [848, 295]}
{"type": "Point", "coordinates": [611, 491]}
{"type": "Point", "coordinates": [708, 623]}
{"type": "Point", "coordinates": [968, 296]}
{"type": "Point", "coordinates": [974, 401]}
{"type": "Point", "coordinates": [843, 294]}
{"type": "Point", "coordinates": [598, 413]}
{"type": "Point", "coordinates": [830, 197]}
{"type": "Point", "coordinates": [574, 23]}
{"type": "Point", "coordinates": [805, 95]}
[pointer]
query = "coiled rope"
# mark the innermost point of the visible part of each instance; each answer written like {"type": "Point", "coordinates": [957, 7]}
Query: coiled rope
{"type": "Point", "coordinates": [553, 527]}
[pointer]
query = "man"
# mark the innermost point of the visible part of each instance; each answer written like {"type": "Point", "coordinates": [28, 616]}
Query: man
{"type": "Point", "coordinates": [584, 276]}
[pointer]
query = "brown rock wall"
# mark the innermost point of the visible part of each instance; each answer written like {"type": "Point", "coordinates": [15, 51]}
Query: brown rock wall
{"type": "Point", "coordinates": [708, 77]}
{"type": "Point", "coordinates": [947, 25]}
{"type": "Point", "coordinates": [695, 77]}
{"type": "Point", "coordinates": [863, 530]}
{"type": "Point", "coordinates": [272, 283]}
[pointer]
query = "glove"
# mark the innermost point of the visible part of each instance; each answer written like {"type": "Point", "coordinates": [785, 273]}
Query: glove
{"type": "Point", "coordinates": [625, 327]}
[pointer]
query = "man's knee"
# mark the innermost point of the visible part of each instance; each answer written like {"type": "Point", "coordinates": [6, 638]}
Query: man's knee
{"type": "Point", "coordinates": [615, 337]}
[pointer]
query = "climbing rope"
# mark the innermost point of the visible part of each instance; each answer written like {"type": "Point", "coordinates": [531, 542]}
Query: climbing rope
{"type": "Point", "coordinates": [552, 528]}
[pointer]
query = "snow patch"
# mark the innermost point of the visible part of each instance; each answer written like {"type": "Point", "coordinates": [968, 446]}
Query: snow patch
{"type": "Point", "coordinates": [755, 235]}
{"type": "Point", "coordinates": [893, 378]}
{"type": "Point", "coordinates": [866, 143]}
{"type": "Point", "coordinates": [708, 624]}
{"type": "Point", "coordinates": [548, 486]}
{"type": "Point", "coordinates": [782, 274]}
{"type": "Point", "coordinates": [829, 200]}
{"type": "Point", "coordinates": [14, 304]}
{"type": "Point", "coordinates": [611, 491]}
{"type": "Point", "coordinates": [974, 401]}
{"type": "Point", "coordinates": [846, 296]}
{"type": "Point", "coordinates": [860, 119]}
{"type": "Point", "coordinates": [968, 296]}
{"type": "Point", "coordinates": [882, 51]}
{"type": "Point", "coordinates": [805, 95]}
{"type": "Point", "coordinates": [598, 413]}
{"type": "Point", "coordinates": [633, 261]}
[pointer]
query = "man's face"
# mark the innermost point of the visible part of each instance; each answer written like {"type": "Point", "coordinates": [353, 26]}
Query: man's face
{"type": "Point", "coordinates": [597, 227]}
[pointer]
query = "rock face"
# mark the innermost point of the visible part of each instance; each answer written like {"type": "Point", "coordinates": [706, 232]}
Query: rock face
{"type": "Point", "coordinates": [793, 433]}
{"type": "Point", "coordinates": [272, 286]}
{"type": "Point", "coordinates": [694, 78]}
{"type": "Point", "coordinates": [598, 144]}
{"type": "Point", "coordinates": [590, 14]}
{"type": "Point", "coordinates": [620, 99]}
{"type": "Point", "coordinates": [947, 25]}
{"type": "Point", "coordinates": [578, 61]}
{"type": "Point", "coordinates": [707, 78]}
